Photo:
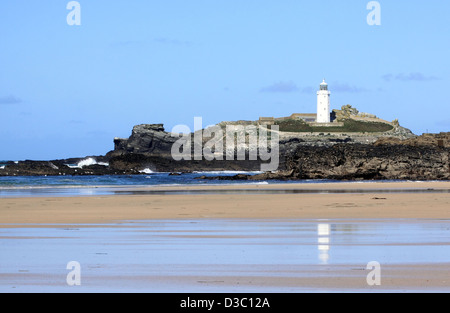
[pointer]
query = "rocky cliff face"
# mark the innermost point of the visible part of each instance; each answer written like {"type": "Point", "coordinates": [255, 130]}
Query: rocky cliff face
{"type": "Point", "coordinates": [426, 140]}
{"type": "Point", "coordinates": [145, 139]}
{"type": "Point", "coordinates": [423, 158]}
{"type": "Point", "coordinates": [149, 146]}
{"type": "Point", "coordinates": [399, 162]}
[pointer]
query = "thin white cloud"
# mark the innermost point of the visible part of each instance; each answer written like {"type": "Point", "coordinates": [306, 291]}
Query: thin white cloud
{"type": "Point", "coordinates": [345, 87]}
{"type": "Point", "coordinates": [282, 87]}
{"type": "Point", "coordinates": [414, 76]}
{"type": "Point", "coordinates": [10, 100]}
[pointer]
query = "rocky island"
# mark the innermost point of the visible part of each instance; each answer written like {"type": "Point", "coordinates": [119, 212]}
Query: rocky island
{"type": "Point", "coordinates": [354, 146]}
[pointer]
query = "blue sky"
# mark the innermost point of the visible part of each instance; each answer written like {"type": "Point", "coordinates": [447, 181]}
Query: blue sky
{"type": "Point", "coordinates": [67, 91]}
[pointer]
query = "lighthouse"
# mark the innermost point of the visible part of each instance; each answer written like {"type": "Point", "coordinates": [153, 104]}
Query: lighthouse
{"type": "Point", "coordinates": [323, 104]}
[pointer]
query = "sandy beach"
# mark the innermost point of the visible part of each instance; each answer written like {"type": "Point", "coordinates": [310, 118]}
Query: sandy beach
{"type": "Point", "coordinates": [421, 209]}
{"type": "Point", "coordinates": [360, 200]}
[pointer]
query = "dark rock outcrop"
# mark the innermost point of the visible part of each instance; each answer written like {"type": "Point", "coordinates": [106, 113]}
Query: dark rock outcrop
{"type": "Point", "coordinates": [353, 162]}
{"type": "Point", "coordinates": [150, 146]}
{"type": "Point", "coordinates": [164, 163]}
{"type": "Point", "coordinates": [422, 159]}
{"type": "Point", "coordinates": [145, 139]}
{"type": "Point", "coordinates": [280, 175]}
{"type": "Point", "coordinates": [59, 168]}
{"type": "Point", "coordinates": [426, 140]}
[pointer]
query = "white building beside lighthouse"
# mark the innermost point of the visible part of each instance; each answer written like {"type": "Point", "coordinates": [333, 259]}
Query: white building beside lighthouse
{"type": "Point", "coordinates": [323, 104]}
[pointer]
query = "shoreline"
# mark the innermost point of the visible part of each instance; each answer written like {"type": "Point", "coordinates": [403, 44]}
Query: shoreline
{"type": "Point", "coordinates": [424, 200]}
{"type": "Point", "coordinates": [262, 185]}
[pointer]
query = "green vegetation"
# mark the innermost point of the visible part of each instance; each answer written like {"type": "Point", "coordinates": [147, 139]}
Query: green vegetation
{"type": "Point", "coordinates": [350, 126]}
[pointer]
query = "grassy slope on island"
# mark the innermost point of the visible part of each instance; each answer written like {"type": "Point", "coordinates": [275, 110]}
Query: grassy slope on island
{"type": "Point", "coordinates": [350, 126]}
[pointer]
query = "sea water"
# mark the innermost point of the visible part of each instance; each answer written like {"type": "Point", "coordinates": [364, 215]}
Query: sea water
{"type": "Point", "coordinates": [32, 186]}
{"type": "Point", "coordinates": [109, 184]}
{"type": "Point", "coordinates": [147, 178]}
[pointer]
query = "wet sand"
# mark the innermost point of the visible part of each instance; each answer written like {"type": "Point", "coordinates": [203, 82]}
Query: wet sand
{"type": "Point", "coordinates": [271, 242]}
{"type": "Point", "coordinates": [360, 200]}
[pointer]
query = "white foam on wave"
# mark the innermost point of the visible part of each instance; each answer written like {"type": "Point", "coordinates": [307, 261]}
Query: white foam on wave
{"type": "Point", "coordinates": [2, 167]}
{"type": "Point", "coordinates": [87, 162]}
{"type": "Point", "coordinates": [146, 171]}
{"type": "Point", "coordinates": [229, 172]}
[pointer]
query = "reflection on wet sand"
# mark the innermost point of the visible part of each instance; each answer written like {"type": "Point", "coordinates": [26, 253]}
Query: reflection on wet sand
{"type": "Point", "coordinates": [323, 232]}
{"type": "Point", "coordinates": [229, 255]}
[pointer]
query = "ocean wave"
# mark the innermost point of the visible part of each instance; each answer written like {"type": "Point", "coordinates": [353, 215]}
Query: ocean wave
{"type": "Point", "coordinates": [146, 171]}
{"type": "Point", "coordinates": [87, 162]}
{"type": "Point", "coordinates": [2, 167]}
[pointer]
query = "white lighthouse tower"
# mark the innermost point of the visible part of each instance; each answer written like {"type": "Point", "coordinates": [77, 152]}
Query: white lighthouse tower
{"type": "Point", "coordinates": [323, 104]}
